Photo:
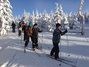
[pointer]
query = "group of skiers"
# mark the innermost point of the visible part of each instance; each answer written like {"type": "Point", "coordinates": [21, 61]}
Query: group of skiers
{"type": "Point", "coordinates": [32, 32]}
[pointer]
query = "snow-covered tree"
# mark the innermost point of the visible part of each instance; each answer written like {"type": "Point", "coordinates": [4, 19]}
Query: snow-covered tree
{"type": "Point", "coordinates": [56, 14]}
{"type": "Point", "coordinates": [51, 25]}
{"type": "Point", "coordinates": [73, 21]}
{"type": "Point", "coordinates": [86, 14]}
{"type": "Point", "coordinates": [48, 21]}
{"type": "Point", "coordinates": [26, 17]}
{"type": "Point", "coordinates": [33, 17]}
{"type": "Point", "coordinates": [6, 15]}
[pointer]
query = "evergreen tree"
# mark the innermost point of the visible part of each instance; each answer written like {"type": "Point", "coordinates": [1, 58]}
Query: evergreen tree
{"type": "Point", "coordinates": [6, 16]}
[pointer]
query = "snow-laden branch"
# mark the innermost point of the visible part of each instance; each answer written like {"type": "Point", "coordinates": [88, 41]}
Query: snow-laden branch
{"type": "Point", "coordinates": [80, 7]}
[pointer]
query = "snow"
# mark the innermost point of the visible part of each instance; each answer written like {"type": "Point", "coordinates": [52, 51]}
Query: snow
{"type": "Point", "coordinates": [12, 50]}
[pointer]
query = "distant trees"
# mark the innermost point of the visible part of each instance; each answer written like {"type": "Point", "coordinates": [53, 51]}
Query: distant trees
{"type": "Point", "coordinates": [47, 21]}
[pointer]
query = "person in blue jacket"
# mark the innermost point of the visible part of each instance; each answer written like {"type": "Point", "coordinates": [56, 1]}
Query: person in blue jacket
{"type": "Point", "coordinates": [56, 40]}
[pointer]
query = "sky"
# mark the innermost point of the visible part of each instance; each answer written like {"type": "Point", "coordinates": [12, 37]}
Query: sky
{"type": "Point", "coordinates": [32, 5]}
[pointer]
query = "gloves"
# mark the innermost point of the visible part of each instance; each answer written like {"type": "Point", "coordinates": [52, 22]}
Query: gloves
{"type": "Point", "coordinates": [42, 30]}
{"type": "Point", "coordinates": [66, 31]}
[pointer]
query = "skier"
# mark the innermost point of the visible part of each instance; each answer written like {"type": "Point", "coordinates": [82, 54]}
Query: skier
{"type": "Point", "coordinates": [24, 30]}
{"type": "Point", "coordinates": [13, 27]}
{"type": "Point", "coordinates": [34, 37]}
{"type": "Point", "coordinates": [19, 29]}
{"type": "Point", "coordinates": [56, 39]}
{"type": "Point", "coordinates": [28, 33]}
{"type": "Point", "coordinates": [23, 25]}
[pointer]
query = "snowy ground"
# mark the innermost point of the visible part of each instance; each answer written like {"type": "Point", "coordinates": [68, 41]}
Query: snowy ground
{"type": "Point", "coordinates": [73, 44]}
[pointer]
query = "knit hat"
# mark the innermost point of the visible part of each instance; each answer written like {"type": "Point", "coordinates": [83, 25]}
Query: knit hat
{"type": "Point", "coordinates": [35, 24]}
{"type": "Point", "coordinates": [57, 25]}
{"type": "Point", "coordinates": [30, 24]}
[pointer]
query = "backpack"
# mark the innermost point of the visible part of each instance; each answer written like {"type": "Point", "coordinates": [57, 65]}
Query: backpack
{"type": "Point", "coordinates": [29, 31]}
{"type": "Point", "coordinates": [20, 29]}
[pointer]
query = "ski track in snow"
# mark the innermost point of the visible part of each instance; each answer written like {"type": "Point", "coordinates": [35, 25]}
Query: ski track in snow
{"type": "Point", "coordinates": [12, 50]}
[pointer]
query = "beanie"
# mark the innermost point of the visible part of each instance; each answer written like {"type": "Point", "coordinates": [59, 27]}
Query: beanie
{"type": "Point", "coordinates": [57, 25]}
{"type": "Point", "coordinates": [35, 24]}
{"type": "Point", "coordinates": [30, 24]}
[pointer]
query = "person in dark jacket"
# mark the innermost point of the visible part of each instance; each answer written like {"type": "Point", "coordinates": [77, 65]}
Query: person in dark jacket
{"type": "Point", "coordinates": [19, 29]}
{"type": "Point", "coordinates": [13, 27]}
{"type": "Point", "coordinates": [34, 37]}
{"type": "Point", "coordinates": [56, 40]}
{"type": "Point", "coordinates": [24, 30]}
{"type": "Point", "coordinates": [23, 26]}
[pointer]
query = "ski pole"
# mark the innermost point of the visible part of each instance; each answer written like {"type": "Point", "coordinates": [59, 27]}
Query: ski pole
{"type": "Point", "coordinates": [44, 43]}
{"type": "Point", "coordinates": [76, 61]}
{"type": "Point", "coordinates": [21, 36]}
{"type": "Point", "coordinates": [67, 41]}
{"type": "Point", "coordinates": [67, 44]}
{"type": "Point", "coordinates": [30, 42]}
{"type": "Point", "coordinates": [60, 52]}
{"type": "Point", "coordinates": [42, 38]}
{"type": "Point", "coordinates": [40, 45]}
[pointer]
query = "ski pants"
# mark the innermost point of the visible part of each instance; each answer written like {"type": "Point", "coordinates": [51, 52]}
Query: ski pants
{"type": "Point", "coordinates": [19, 32]}
{"type": "Point", "coordinates": [55, 50]}
{"type": "Point", "coordinates": [34, 42]}
{"type": "Point", "coordinates": [13, 29]}
{"type": "Point", "coordinates": [26, 41]}
{"type": "Point", "coordinates": [25, 36]}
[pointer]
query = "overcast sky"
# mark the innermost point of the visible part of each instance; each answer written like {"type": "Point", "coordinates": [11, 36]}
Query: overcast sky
{"type": "Point", "coordinates": [29, 5]}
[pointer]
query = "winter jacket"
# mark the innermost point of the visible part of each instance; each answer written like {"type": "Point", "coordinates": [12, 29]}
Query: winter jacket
{"type": "Point", "coordinates": [35, 32]}
{"type": "Point", "coordinates": [57, 35]}
{"type": "Point", "coordinates": [13, 25]}
{"type": "Point", "coordinates": [19, 27]}
{"type": "Point", "coordinates": [23, 27]}
{"type": "Point", "coordinates": [29, 30]}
